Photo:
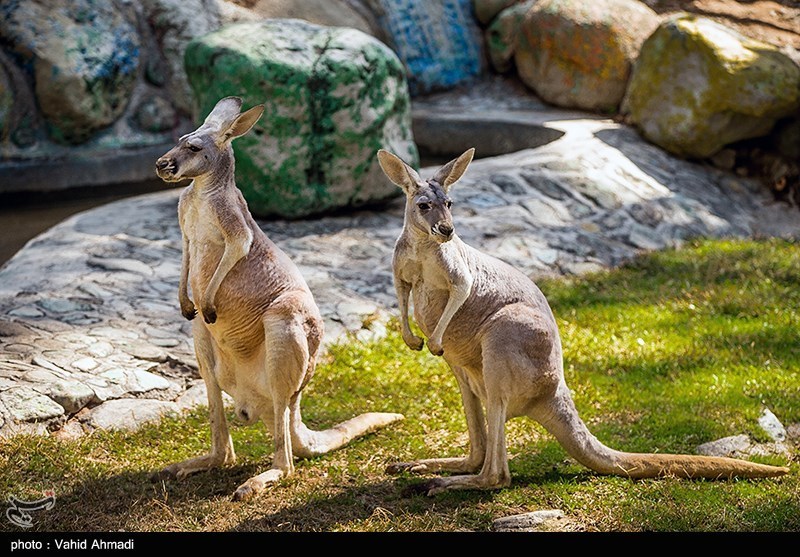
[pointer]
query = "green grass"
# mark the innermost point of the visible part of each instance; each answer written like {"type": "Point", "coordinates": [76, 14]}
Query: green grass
{"type": "Point", "coordinates": [673, 350]}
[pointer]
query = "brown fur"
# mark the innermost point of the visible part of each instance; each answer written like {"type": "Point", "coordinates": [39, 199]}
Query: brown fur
{"type": "Point", "coordinates": [259, 331]}
{"type": "Point", "coordinates": [497, 333]}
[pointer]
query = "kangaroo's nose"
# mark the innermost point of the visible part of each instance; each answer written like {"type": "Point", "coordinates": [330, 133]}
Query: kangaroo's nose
{"type": "Point", "coordinates": [445, 230]}
{"type": "Point", "coordinates": [162, 163]}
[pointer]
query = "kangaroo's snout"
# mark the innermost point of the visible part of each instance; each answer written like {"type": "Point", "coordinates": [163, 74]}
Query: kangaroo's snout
{"type": "Point", "coordinates": [443, 230]}
{"type": "Point", "coordinates": [166, 168]}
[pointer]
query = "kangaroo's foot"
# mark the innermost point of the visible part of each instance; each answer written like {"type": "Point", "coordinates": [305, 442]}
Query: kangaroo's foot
{"type": "Point", "coordinates": [180, 470]}
{"type": "Point", "coordinates": [440, 485]}
{"type": "Point", "coordinates": [458, 465]}
{"type": "Point", "coordinates": [256, 484]}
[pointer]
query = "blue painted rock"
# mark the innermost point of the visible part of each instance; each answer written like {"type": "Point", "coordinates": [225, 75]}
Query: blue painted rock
{"type": "Point", "coordinates": [83, 56]}
{"type": "Point", "coordinates": [439, 42]}
{"type": "Point", "coordinates": [333, 97]}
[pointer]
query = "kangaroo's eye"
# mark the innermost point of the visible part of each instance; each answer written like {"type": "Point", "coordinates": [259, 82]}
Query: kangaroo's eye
{"type": "Point", "coordinates": [448, 203]}
{"type": "Point", "coordinates": [424, 206]}
{"type": "Point", "coordinates": [194, 148]}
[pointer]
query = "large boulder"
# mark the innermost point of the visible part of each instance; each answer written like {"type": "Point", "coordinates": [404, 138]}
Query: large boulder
{"type": "Point", "coordinates": [439, 42]}
{"type": "Point", "coordinates": [83, 56]}
{"type": "Point", "coordinates": [333, 97]}
{"type": "Point", "coordinates": [699, 86]}
{"type": "Point", "coordinates": [486, 10]}
{"type": "Point", "coordinates": [331, 13]}
{"type": "Point", "coordinates": [504, 33]}
{"type": "Point", "coordinates": [579, 54]}
{"type": "Point", "coordinates": [175, 23]}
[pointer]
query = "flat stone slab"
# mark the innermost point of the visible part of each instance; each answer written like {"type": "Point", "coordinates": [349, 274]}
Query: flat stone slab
{"type": "Point", "coordinates": [128, 413]}
{"type": "Point", "coordinates": [551, 520]}
{"type": "Point", "coordinates": [93, 301]}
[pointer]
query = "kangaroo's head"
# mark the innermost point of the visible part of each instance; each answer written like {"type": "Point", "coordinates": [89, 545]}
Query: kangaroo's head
{"type": "Point", "coordinates": [427, 202]}
{"type": "Point", "coordinates": [208, 148]}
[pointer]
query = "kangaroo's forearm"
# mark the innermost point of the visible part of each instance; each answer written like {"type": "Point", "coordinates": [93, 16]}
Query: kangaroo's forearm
{"type": "Point", "coordinates": [458, 295]}
{"type": "Point", "coordinates": [235, 250]}
{"type": "Point", "coordinates": [403, 290]}
{"type": "Point", "coordinates": [183, 286]}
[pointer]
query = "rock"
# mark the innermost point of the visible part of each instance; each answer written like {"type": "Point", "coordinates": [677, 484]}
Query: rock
{"type": "Point", "coordinates": [6, 104]}
{"type": "Point", "coordinates": [503, 34]}
{"type": "Point", "coordinates": [85, 364]}
{"type": "Point", "coordinates": [579, 54]}
{"type": "Point", "coordinates": [128, 413]}
{"type": "Point", "coordinates": [26, 311]}
{"type": "Point", "coordinates": [486, 10]}
{"type": "Point", "coordinates": [156, 114]}
{"type": "Point", "coordinates": [772, 426]}
{"type": "Point", "coordinates": [135, 381]}
{"type": "Point", "coordinates": [85, 73]}
{"type": "Point", "coordinates": [121, 264]}
{"type": "Point", "coordinates": [196, 395]}
{"type": "Point", "coordinates": [27, 405]}
{"type": "Point", "coordinates": [698, 86]}
{"type": "Point", "coordinates": [329, 13]}
{"type": "Point", "coordinates": [176, 23]}
{"type": "Point", "coordinates": [72, 395]}
{"type": "Point", "coordinates": [333, 97]}
{"type": "Point", "coordinates": [62, 305]}
{"type": "Point", "coordinates": [536, 521]}
{"type": "Point", "coordinates": [733, 446]}
{"type": "Point", "coordinates": [448, 53]}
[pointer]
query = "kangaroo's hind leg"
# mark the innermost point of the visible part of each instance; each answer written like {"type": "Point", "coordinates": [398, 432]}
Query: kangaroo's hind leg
{"type": "Point", "coordinates": [476, 426]}
{"type": "Point", "coordinates": [286, 363]}
{"type": "Point", "coordinates": [222, 452]}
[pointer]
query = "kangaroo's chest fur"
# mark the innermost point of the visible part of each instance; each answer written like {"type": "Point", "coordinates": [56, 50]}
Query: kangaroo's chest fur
{"type": "Point", "coordinates": [498, 291]}
{"type": "Point", "coordinates": [252, 285]}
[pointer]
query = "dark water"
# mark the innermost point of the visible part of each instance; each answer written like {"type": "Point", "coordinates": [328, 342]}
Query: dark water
{"type": "Point", "coordinates": [23, 216]}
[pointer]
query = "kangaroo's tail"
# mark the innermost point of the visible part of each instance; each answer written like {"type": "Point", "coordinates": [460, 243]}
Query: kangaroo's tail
{"type": "Point", "coordinates": [560, 417]}
{"type": "Point", "coordinates": [309, 443]}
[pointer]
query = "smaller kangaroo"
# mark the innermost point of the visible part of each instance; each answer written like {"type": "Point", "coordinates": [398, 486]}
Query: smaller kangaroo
{"type": "Point", "coordinates": [496, 331]}
{"type": "Point", "coordinates": [260, 331]}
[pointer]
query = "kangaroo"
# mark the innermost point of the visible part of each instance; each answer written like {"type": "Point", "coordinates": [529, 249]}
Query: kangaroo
{"type": "Point", "coordinates": [496, 331]}
{"type": "Point", "coordinates": [261, 330]}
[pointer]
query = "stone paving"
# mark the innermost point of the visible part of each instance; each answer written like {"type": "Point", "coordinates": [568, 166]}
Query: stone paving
{"type": "Point", "coordinates": [90, 331]}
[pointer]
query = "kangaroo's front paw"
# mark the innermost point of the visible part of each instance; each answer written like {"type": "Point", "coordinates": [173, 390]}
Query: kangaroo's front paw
{"type": "Point", "coordinates": [188, 310]}
{"type": "Point", "coordinates": [413, 341]}
{"type": "Point", "coordinates": [435, 347]}
{"type": "Point", "coordinates": [209, 311]}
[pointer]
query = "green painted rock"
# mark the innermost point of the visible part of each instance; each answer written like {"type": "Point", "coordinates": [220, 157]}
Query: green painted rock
{"type": "Point", "coordinates": [698, 86]}
{"type": "Point", "coordinates": [503, 34]}
{"type": "Point", "coordinates": [579, 54]}
{"type": "Point", "coordinates": [83, 56]}
{"type": "Point", "coordinates": [333, 97]}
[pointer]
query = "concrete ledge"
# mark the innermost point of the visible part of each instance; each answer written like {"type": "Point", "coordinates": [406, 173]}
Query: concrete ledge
{"type": "Point", "coordinates": [81, 169]}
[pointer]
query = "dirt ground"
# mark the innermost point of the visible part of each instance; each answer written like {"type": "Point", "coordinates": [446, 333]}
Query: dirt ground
{"type": "Point", "coordinates": [772, 21]}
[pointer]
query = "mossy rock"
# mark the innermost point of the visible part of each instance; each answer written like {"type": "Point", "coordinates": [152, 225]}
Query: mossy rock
{"type": "Point", "coordinates": [698, 86]}
{"type": "Point", "coordinates": [333, 97]}
{"type": "Point", "coordinates": [579, 54]}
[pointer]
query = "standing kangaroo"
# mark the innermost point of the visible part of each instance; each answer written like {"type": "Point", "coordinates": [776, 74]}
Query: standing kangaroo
{"type": "Point", "coordinates": [495, 330]}
{"type": "Point", "coordinates": [260, 331]}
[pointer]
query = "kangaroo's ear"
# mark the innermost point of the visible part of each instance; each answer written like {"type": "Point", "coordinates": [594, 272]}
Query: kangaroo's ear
{"type": "Point", "coordinates": [398, 171]}
{"type": "Point", "coordinates": [223, 113]}
{"type": "Point", "coordinates": [450, 173]}
{"type": "Point", "coordinates": [243, 122]}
